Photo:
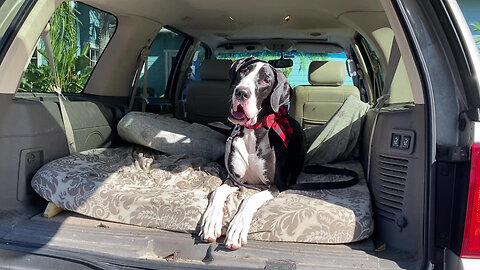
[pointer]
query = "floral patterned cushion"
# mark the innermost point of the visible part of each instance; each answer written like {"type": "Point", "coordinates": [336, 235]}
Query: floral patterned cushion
{"type": "Point", "coordinates": [142, 187]}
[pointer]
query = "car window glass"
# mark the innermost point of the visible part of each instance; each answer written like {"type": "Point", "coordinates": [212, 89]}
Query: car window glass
{"type": "Point", "coordinates": [471, 12]}
{"type": "Point", "coordinates": [79, 33]}
{"type": "Point", "coordinates": [193, 72]}
{"type": "Point", "coordinates": [161, 59]}
{"type": "Point", "coordinates": [298, 73]}
{"type": "Point", "coordinates": [198, 58]}
{"type": "Point", "coordinates": [375, 69]}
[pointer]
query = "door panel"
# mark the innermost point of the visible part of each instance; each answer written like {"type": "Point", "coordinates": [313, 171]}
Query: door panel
{"type": "Point", "coordinates": [32, 134]}
{"type": "Point", "coordinates": [397, 174]}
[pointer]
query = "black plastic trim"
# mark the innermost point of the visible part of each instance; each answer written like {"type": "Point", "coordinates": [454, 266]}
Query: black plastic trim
{"type": "Point", "coordinates": [404, 15]}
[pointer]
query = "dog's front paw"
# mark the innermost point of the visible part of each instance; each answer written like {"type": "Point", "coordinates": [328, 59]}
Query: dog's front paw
{"type": "Point", "coordinates": [211, 227]}
{"type": "Point", "coordinates": [238, 230]}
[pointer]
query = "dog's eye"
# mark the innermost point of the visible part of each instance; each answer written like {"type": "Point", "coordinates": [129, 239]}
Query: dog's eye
{"type": "Point", "coordinates": [243, 71]}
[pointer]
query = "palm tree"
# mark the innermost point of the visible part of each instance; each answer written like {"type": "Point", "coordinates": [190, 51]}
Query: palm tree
{"type": "Point", "coordinates": [71, 63]}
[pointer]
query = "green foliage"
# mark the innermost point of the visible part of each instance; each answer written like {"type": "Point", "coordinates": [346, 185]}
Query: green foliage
{"type": "Point", "coordinates": [476, 29]}
{"type": "Point", "coordinates": [71, 64]}
{"type": "Point", "coordinates": [38, 79]}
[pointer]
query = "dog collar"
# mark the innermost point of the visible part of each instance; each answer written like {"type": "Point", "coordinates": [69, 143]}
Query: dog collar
{"type": "Point", "coordinates": [278, 122]}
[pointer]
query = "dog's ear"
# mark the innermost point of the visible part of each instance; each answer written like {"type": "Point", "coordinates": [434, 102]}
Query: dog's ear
{"type": "Point", "coordinates": [281, 92]}
{"type": "Point", "coordinates": [234, 68]}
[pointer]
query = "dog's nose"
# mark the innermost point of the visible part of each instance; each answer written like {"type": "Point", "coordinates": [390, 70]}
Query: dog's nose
{"type": "Point", "coordinates": [242, 93]}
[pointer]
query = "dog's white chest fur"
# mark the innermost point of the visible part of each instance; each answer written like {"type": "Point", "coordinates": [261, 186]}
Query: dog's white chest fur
{"type": "Point", "coordinates": [245, 160]}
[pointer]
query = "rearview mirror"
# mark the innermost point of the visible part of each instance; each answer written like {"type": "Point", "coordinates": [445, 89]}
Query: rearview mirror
{"type": "Point", "coordinates": [281, 63]}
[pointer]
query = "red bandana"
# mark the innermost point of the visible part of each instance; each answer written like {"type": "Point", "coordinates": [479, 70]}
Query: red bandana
{"type": "Point", "coordinates": [279, 122]}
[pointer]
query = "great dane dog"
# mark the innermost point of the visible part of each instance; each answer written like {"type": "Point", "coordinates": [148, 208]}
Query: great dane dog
{"type": "Point", "coordinates": [265, 151]}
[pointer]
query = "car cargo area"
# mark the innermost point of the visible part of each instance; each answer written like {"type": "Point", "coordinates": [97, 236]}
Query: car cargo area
{"type": "Point", "coordinates": [163, 67]}
{"type": "Point", "coordinates": [110, 243]}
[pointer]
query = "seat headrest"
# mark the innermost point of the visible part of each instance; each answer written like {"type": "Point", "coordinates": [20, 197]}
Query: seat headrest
{"type": "Point", "coordinates": [215, 69]}
{"type": "Point", "coordinates": [331, 73]}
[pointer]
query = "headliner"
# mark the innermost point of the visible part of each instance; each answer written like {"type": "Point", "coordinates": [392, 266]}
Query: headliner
{"type": "Point", "coordinates": [217, 22]}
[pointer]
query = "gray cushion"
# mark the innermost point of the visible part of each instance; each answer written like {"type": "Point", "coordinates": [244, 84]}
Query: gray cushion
{"type": "Point", "coordinates": [170, 135]}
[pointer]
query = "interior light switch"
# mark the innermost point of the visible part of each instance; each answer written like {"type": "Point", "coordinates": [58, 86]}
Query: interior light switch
{"type": "Point", "coordinates": [396, 140]}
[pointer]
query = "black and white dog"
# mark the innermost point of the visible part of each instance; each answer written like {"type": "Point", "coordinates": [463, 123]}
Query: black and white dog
{"type": "Point", "coordinates": [266, 149]}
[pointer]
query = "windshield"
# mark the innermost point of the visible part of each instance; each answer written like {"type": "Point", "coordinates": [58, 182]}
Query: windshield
{"type": "Point", "coordinates": [298, 73]}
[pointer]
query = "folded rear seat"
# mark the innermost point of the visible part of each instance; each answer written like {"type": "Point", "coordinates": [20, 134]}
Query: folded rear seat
{"type": "Point", "coordinates": [140, 186]}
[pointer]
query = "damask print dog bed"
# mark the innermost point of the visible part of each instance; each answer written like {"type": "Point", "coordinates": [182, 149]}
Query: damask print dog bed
{"type": "Point", "coordinates": [139, 186]}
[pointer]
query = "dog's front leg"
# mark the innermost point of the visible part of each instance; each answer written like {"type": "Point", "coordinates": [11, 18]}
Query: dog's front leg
{"type": "Point", "coordinates": [211, 226]}
{"type": "Point", "coordinates": [240, 225]}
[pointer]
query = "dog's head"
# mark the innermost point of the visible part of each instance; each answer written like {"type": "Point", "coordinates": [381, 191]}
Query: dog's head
{"type": "Point", "coordinates": [258, 89]}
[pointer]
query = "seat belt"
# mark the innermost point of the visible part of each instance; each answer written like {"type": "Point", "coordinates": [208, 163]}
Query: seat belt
{"type": "Point", "coordinates": [392, 66]}
{"type": "Point", "coordinates": [61, 98]}
{"type": "Point", "coordinates": [142, 63]}
{"type": "Point", "coordinates": [52, 209]}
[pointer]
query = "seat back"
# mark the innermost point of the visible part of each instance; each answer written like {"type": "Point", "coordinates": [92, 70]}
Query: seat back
{"type": "Point", "coordinates": [208, 100]}
{"type": "Point", "coordinates": [314, 104]}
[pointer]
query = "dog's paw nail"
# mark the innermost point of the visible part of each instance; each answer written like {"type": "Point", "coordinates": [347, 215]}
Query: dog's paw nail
{"type": "Point", "coordinates": [233, 247]}
{"type": "Point", "coordinates": [210, 239]}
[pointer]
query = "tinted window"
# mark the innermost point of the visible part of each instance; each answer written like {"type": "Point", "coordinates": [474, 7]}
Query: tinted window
{"type": "Point", "coordinates": [162, 56]}
{"type": "Point", "coordinates": [79, 34]}
{"type": "Point", "coordinates": [471, 12]}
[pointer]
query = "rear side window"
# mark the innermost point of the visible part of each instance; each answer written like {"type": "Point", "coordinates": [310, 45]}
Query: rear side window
{"type": "Point", "coordinates": [374, 68]}
{"type": "Point", "coordinates": [79, 33]}
{"type": "Point", "coordinates": [298, 73]}
{"type": "Point", "coordinates": [471, 12]}
{"type": "Point", "coordinates": [161, 59]}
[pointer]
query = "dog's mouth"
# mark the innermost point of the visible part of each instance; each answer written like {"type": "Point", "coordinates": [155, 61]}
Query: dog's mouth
{"type": "Point", "coordinates": [238, 115]}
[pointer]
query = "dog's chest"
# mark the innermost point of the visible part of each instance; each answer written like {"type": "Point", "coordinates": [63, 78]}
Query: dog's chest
{"type": "Point", "coordinates": [248, 160]}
